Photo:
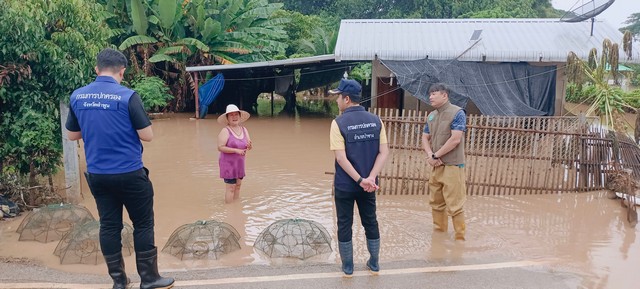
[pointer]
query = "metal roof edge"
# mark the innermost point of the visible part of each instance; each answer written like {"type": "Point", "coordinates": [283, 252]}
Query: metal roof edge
{"type": "Point", "coordinates": [463, 20]}
{"type": "Point", "coordinates": [283, 62]}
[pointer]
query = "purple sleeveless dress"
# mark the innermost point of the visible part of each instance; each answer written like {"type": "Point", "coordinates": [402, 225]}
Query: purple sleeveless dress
{"type": "Point", "coordinates": [232, 165]}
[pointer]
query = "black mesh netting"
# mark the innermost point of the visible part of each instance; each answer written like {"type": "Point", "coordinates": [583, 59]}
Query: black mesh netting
{"type": "Point", "coordinates": [297, 238]}
{"type": "Point", "coordinates": [513, 89]}
{"type": "Point", "coordinates": [203, 239]}
{"type": "Point", "coordinates": [52, 222]}
{"type": "Point", "coordinates": [82, 244]}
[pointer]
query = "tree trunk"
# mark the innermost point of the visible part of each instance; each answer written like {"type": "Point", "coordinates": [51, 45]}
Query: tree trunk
{"type": "Point", "coordinates": [32, 175]}
{"type": "Point", "coordinates": [51, 185]}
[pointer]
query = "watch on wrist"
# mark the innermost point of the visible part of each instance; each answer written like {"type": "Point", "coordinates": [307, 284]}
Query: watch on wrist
{"type": "Point", "coordinates": [433, 156]}
{"type": "Point", "coordinates": [359, 180]}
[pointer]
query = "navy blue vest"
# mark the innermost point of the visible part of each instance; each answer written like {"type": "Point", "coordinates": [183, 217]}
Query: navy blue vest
{"type": "Point", "coordinates": [361, 132]}
{"type": "Point", "coordinates": [111, 144]}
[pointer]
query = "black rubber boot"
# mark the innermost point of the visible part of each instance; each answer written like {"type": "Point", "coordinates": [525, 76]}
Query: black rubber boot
{"type": "Point", "coordinates": [115, 265]}
{"type": "Point", "coordinates": [147, 263]}
{"type": "Point", "coordinates": [346, 255]}
{"type": "Point", "coordinates": [374, 249]}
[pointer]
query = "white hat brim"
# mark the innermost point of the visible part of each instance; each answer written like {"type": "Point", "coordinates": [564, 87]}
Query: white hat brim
{"type": "Point", "coordinates": [222, 119]}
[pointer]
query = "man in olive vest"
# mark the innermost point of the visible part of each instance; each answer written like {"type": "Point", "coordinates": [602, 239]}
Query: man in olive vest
{"type": "Point", "coordinates": [443, 141]}
{"type": "Point", "coordinates": [359, 142]}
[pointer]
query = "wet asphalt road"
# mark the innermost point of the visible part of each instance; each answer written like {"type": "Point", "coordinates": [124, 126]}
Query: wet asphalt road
{"type": "Point", "coordinates": [402, 274]}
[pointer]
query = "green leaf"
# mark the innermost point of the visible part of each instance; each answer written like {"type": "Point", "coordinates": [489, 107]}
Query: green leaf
{"type": "Point", "coordinates": [167, 13]}
{"type": "Point", "coordinates": [161, 57]}
{"type": "Point", "coordinates": [195, 42]}
{"type": "Point", "coordinates": [154, 20]}
{"type": "Point", "coordinates": [171, 50]}
{"type": "Point", "coordinates": [116, 31]}
{"type": "Point", "coordinates": [139, 17]}
{"type": "Point", "coordinates": [211, 29]}
{"type": "Point", "coordinates": [136, 40]}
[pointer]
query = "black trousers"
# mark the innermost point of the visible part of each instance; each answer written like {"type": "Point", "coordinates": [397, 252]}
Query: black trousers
{"type": "Point", "coordinates": [366, 207]}
{"type": "Point", "coordinates": [132, 191]}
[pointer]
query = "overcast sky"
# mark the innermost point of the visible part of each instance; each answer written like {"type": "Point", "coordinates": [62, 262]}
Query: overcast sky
{"type": "Point", "coordinates": [616, 14]}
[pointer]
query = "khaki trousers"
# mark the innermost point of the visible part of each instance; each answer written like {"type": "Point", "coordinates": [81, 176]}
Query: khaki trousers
{"type": "Point", "coordinates": [447, 189]}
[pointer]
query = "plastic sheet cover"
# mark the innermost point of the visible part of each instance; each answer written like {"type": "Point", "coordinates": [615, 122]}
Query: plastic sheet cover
{"type": "Point", "coordinates": [507, 89]}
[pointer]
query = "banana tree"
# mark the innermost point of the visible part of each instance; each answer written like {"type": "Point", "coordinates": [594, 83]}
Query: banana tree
{"type": "Point", "coordinates": [238, 31]}
{"type": "Point", "coordinates": [168, 35]}
{"type": "Point", "coordinates": [160, 31]}
{"type": "Point", "coordinates": [161, 45]}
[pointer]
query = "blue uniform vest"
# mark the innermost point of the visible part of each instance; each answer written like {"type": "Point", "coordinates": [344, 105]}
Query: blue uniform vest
{"type": "Point", "coordinates": [361, 132]}
{"type": "Point", "coordinates": [111, 142]}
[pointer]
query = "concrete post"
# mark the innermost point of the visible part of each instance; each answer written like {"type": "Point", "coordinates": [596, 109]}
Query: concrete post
{"type": "Point", "coordinates": [70, 157]}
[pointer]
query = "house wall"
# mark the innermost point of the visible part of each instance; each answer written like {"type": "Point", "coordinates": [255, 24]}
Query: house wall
{"type": "Point", "coordinates": [413, 103]}
{"type": "Point", "coordinates": [377, 70]}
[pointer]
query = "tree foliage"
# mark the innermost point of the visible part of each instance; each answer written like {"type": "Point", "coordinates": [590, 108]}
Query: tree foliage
{"type": "Point", "coordinates": [634, 25]}
{"type": "Point", "coordinates": [47, 49]}
{"type": "Point", "coordinates": [388, 9]}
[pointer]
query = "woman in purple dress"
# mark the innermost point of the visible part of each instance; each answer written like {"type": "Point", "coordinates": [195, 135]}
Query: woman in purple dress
{"type": "Point", "coordinates": [233, 144]}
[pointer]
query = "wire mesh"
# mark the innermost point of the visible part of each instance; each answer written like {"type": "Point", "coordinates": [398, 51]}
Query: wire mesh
{"type": "Point", "coordinates": [203, 239]}
{"type": "Point", "coordinates": [295, 238]}
{"type": "Point", "coordinates": [52, 222]}
{"type": "Point", "coordinates": [82, 244]}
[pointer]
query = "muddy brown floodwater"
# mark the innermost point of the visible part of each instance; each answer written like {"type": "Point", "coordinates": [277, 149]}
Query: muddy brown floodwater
{"type": "Point", "coordinates": [584, 234]}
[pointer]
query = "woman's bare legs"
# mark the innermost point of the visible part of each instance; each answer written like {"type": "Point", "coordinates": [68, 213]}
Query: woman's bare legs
{"type": "Point", "coordinates": [236, 193]}
{"type": "Point", "coordinates": [229, 193]}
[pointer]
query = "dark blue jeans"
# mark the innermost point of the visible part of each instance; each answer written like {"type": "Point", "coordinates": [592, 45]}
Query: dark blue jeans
{"type": "Point", "coordinates": [132, 191]}
{"type": "Point", "coordinates": [366, 207]}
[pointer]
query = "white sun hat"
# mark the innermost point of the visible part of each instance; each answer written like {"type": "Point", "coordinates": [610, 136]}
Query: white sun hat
{"type": "Point", "coordinates": [222, 119]}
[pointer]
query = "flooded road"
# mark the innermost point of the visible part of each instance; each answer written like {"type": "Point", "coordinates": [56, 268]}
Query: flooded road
{"type": "Point", "coordinates": [584, 234]}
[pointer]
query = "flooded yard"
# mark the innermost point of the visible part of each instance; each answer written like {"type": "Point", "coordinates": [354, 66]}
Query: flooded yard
{"type": "Point", "coordinates": [584, 234]}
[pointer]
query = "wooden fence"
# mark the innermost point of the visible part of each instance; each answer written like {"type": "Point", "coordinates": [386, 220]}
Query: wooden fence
{"type": "Point", "coordinates": [510, 155]}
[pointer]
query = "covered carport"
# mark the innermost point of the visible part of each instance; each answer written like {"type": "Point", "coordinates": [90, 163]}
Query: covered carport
{"type": "Point", "coordinates": [244, 82]}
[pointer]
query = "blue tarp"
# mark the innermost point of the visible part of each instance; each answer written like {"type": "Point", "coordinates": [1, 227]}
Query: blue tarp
{"type": "Point", "coordinates": [208, 93]}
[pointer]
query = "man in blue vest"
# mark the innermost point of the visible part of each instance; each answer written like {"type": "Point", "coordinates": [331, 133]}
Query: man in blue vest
{"type": "Point", "coordinates": [359, 142]}
{"type": "Point", "coordinates": [111, 120]}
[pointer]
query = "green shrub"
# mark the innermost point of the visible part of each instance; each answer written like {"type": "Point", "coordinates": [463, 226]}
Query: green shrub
{"type": "Point", "coordinates": [580, 94]}
{"type": "Point", "coordinates": [633, 98]}
{"type": "Point", "coordinates": [361, 72]}
{"type": "Point", "coordinates": [264, 106]}
{"type": "Point", "coordinates": [572, 93]}
{"type": "Point", "coordinates": [153, 91]}
{"type": "Point", "coordinates": [47, 49]}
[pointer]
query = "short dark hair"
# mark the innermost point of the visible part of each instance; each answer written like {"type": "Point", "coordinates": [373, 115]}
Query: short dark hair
{"type": "Point", "coordinates": [111, 59]}
{"type": "Point", "coordinates": [438, 87]}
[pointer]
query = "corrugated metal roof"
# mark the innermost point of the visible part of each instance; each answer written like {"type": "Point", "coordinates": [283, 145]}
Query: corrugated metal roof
{"type": "Point", "coordinates": [501, 40]}
{"type": "Point", "coordinates": [272, 63]}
